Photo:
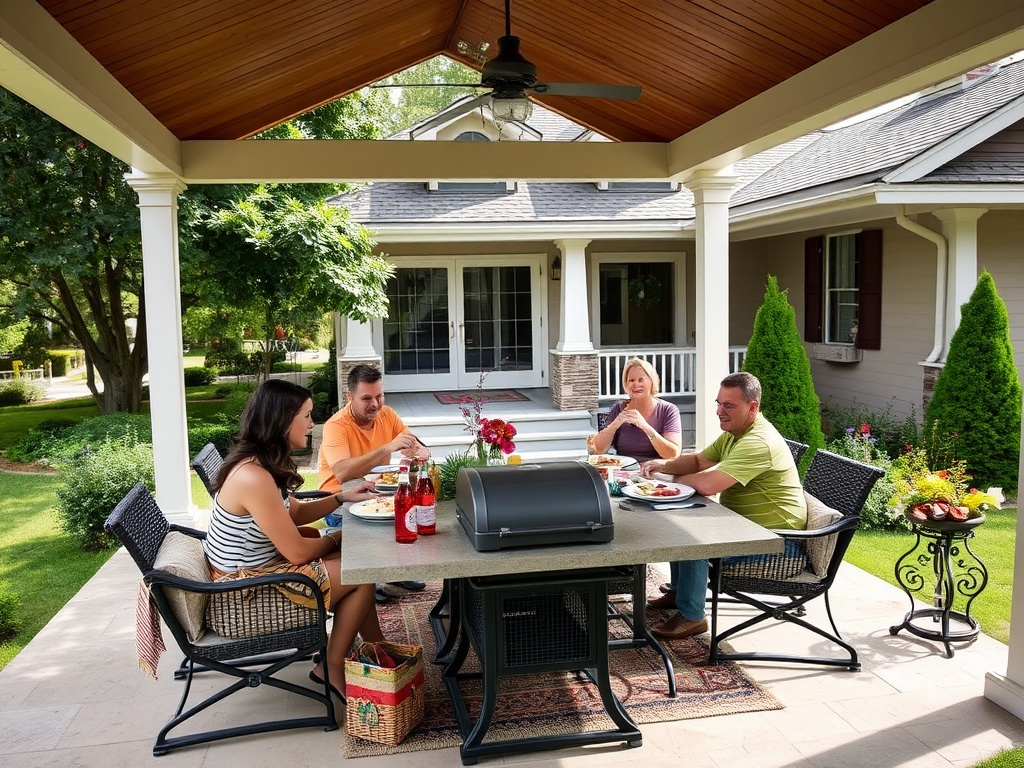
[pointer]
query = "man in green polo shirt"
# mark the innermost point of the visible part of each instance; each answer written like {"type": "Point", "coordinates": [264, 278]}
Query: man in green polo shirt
{"type": "Point", "coordinates": [752, 468]}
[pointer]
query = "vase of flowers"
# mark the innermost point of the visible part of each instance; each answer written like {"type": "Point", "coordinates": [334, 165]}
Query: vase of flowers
{"type": "Point", "coordinates": [492, 438]}
{"type": "Point", "coordinates": [939, 498]}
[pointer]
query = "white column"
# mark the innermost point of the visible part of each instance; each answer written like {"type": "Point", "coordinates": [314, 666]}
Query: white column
{"type": "Point", "coordinates": [158, 207]}
{"type": "Point", "coordinates": [960, 228]}
{"type": "Point", "coordinates": [1008, 690]}
{"type": "Point", "coordinates": [358, 341]}
{"type": "Point", "coordinates": [574, 315]}
{"type": "Point", "coordinates": [711, 200]}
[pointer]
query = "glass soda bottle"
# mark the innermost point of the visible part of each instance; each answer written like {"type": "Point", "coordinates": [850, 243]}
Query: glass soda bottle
{"type": "Point", "coordinates": [405, 509]}
{"type": "Point", "coordinates": [435, 477]}
{"type": "Point", "coordinates": [426, 520]}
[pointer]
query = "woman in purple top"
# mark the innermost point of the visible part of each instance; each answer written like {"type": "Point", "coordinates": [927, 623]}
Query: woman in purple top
{"type": "Point", "coordinates": [644, 426]}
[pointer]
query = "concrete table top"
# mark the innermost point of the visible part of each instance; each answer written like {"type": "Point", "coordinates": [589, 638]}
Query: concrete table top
{"type": "Point", "coordinates": [370, 554]}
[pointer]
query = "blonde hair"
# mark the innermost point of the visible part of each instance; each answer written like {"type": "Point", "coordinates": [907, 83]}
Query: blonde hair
{"type": "Point", "coordinates": [647, 368]}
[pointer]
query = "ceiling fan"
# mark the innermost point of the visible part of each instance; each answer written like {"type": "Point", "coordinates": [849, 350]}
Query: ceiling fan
{"type": "Point", "coordinates": [509, 77]}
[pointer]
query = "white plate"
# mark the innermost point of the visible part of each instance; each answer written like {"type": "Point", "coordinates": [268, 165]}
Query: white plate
{"type": "Point", "coordinates": [368, 510]}
{"type": "Point", "coordinates": [608, 461]}
{"type": "Point", "coordinates": [682, 491]}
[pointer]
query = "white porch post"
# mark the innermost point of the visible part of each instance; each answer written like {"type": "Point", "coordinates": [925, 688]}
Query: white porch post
{"type": "Point", "coordinates": [1008, 690]}
{"type": "Point", "coordinates": [960, 228]}
{"type": "Point", "coordinates": [574, 314]}
{"type": "Point", "coordinates": [353, 345]}
{"type": "Point", "coordinates": [711, 194]}
{"type": "Point", "coordinates": [158, 211]}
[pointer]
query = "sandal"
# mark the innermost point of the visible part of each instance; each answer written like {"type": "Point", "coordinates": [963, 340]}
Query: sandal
{"type": "Point", "coordinates": [320, 681]}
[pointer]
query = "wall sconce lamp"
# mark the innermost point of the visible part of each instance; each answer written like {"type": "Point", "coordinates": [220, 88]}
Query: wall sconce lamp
{"type": "Point", "coordinates": [556, 268]}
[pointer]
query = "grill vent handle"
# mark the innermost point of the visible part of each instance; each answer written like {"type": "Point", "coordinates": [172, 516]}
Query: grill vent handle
{"type": "Point", "coordinates": [587, 526]}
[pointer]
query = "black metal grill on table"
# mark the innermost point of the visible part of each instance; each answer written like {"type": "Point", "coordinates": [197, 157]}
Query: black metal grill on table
{"type": "Point", "coordinates": [533, 505]}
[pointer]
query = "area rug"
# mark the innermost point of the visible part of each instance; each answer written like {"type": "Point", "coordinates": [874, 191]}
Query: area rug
{"type": "Point", "coordinates": [536, 705]}
{"type": "Point", "coordinates": [491, 396]}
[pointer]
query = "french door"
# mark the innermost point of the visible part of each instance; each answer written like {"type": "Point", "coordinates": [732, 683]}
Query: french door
{"type": "Point", "coordinates": [450, 320]}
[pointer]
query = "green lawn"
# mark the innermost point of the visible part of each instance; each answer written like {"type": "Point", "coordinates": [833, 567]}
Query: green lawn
{"type": "Point", "coordinates": [42, 565]}
{"type": "Point", "coordinates": [16, 420]}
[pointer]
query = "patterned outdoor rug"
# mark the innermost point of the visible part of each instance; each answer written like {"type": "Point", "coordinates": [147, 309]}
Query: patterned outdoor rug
{"type": "Point", "coordinates": [490, 396]}
{"type": "Point", "coordinates": [549, 704]}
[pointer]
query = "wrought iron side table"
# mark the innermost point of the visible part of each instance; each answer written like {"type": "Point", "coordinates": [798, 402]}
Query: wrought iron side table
{"type": "Point", "coordinates": [941, 555]}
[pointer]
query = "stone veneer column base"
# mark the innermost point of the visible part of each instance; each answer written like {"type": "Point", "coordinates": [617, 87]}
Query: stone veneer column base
{"type": "Point", "coordinates": [346, 365]}
{"type": "Point", "coordinates": [931, 373]}
{"type": "Point", "coordinates": [574, 381]}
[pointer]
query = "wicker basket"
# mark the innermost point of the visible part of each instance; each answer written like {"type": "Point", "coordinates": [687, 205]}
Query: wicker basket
{"type": "Point", "coordinates": [384, 705]}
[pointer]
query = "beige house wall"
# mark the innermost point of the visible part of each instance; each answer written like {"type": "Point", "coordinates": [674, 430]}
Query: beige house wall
{"type": "Point", "coordinates": [1001, 252]}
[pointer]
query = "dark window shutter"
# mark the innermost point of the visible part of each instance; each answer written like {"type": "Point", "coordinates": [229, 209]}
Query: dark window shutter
{"type": "Point", "coordinates": [814, 300]}
{"type": "Point", "coordinates": [869, 311]}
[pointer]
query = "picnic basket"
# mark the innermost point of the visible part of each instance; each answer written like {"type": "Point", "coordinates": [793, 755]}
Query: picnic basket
{"type": "Point", "coordinates": [384, 704]}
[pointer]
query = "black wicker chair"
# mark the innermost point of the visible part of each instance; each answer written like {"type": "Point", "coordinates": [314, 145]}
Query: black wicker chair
{"type": "Point", "coordinates": [277, 631]}
{"type": "Point", "coordinates": [797, 449]}
{"type": "Point", "coordinates": [840, 483]}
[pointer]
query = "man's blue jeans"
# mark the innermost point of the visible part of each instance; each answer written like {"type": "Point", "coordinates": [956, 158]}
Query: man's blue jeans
{"type": "Point", "coordinates": [690, 579]}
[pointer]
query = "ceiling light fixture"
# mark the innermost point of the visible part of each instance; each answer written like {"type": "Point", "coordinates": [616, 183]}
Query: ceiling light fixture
{"type": "Point", "coordinates": [515, 109]}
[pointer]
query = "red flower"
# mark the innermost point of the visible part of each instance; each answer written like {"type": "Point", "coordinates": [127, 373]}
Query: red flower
{"type": "Point", "coordinates": [941, 473]}
{"type": "Point", "coordinates": [865, 429]}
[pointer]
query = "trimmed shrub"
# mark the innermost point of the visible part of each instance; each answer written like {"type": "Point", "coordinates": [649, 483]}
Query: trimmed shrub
{"type": "Point", "coordinates": [235, 402]}
{"type": "Point", "coordinates": [62, 362]}
{"type": "Point", "coordinates": [776, 355]}
{"type": "Point", "coordinates": [10, 621]}
{"type": "Point", "coordinates": [977, 400]}
{"type": "Point", "coordinates": [19, 391]}
{"type": "Point", "coordinates": [95, 481]}
{"type": "Point", "coordinates": [41, 442]}
{"type": "Point", "coordinates": [200, 377]}
{"type": "Point", "coordinates": [324, 381]}
{"type": "Point", "coordinates": [220, 434]}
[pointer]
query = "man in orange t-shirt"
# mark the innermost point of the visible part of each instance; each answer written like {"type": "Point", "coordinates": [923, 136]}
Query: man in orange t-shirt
{"type": "Point", "coordinates": [364, 433]}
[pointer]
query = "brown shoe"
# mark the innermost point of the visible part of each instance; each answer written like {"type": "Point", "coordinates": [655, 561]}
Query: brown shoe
{"type": "Point", "coordinates": [664, 603]}
{"type": "Point", "coordinates": [666, 587]}
{"type": "Point", "coordinates": [677, 627]}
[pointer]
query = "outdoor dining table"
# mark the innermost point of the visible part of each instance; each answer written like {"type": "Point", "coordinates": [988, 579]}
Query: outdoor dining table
{"type": "Point", "coordinates": [370, 554]}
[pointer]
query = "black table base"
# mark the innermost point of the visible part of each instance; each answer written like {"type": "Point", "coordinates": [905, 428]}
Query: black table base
{"type": "Point", "coordinates": [943, 558]}
{"type": "Point", "coordinates": [532, 624]}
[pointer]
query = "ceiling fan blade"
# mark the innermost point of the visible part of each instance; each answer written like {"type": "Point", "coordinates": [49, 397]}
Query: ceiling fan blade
{"type": "Point", "coordinates": [450, 114]}
{"type": "Point", "coordinates": [593, 90]}
{"type": "Point", "coordinates": [430, 85]}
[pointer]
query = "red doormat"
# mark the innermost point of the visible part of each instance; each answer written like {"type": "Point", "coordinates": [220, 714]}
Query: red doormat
{"type": "Point", "coordinates": [491, 396]}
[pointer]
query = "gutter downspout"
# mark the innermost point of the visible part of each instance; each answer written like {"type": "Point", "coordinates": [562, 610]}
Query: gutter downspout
{"type": "Point", "coordinates": [941, 258]}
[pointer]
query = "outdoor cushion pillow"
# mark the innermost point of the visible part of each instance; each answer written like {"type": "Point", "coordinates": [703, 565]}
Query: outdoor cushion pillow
{"type": "Point", "coordinates": [819, 551]}
{"type": "Point", "coordinates": [182, 555]}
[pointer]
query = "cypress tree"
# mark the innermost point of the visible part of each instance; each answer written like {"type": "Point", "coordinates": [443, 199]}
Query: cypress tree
{"type": "Point", "coordinates": [776, 356]}
{"type": "Point", "coordinates": [975, 411]}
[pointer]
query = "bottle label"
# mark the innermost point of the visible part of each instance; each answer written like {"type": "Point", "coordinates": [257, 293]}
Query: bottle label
{"type": "Point", "coordinates": [410, 519]}
{"type": "Point", "coordinates": [425, 516]}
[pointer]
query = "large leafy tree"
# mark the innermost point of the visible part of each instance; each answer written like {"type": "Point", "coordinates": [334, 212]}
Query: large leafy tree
{"type": "Point", "coordinates": [975, 411]}
{"type": "Point", "coordinates": [414, 104]}
{"type": "Point", "coordinates": [776, 355]}
{"type": "Point", "coordinates": [70, 246]}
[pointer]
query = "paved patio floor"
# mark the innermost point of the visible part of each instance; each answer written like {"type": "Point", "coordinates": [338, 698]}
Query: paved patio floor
{"type": "Point", "coordinates": [74, 697]}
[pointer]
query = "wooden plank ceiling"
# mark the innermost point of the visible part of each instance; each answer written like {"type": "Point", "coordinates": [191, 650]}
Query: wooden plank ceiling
{"type": "Point", "coordinates": [226, 69]}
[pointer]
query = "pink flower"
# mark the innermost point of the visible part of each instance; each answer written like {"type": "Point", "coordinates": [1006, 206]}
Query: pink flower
{"type": "Point", "coordinates": [865, 429]}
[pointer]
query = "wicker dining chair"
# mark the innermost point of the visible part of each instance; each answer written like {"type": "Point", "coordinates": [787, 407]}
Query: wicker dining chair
{"type": "Point", "coordinates": [841, 485]}
{"type": "Point", "coordinates": [259, 630]}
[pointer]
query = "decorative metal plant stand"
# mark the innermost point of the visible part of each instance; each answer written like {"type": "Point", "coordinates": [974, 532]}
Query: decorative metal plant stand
{"type": "Point", "coordinates": [942, 556]}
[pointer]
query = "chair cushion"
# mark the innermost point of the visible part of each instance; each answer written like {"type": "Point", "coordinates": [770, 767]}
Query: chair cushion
{"type": "Point", "coordinates": [819, 551]}
{"type": "Point", "coordinates": [181, 555]}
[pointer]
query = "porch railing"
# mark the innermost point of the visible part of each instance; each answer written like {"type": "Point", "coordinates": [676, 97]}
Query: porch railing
{"type": "Point", "coordinates": [677, 367]}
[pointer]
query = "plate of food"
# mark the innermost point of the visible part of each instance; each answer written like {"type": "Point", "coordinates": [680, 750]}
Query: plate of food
{"type": "Point", "coordinates": [608, 461]}
{"type": "Point", "coordinates": [655, 491]}
{"type": "Point", "coordinates": [375, 510]}
{"type": "Point", "coordinates": [385, 482]}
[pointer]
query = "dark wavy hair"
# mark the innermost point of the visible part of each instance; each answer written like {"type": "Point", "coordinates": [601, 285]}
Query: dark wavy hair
{"type": "Point", "coordinates": [263, 433]}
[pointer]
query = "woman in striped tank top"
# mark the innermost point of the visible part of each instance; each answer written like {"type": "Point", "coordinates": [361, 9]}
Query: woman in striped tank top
{"type": "Point", "coordinates": [257, 524]}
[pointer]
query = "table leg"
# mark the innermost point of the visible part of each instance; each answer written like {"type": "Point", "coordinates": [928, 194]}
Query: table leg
{"type": "Point", "coordinates": [446, 608]}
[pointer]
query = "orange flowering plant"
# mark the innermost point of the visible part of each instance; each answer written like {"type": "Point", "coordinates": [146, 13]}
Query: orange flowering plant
{"type": "Point", "coordinates": [943, 494]}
